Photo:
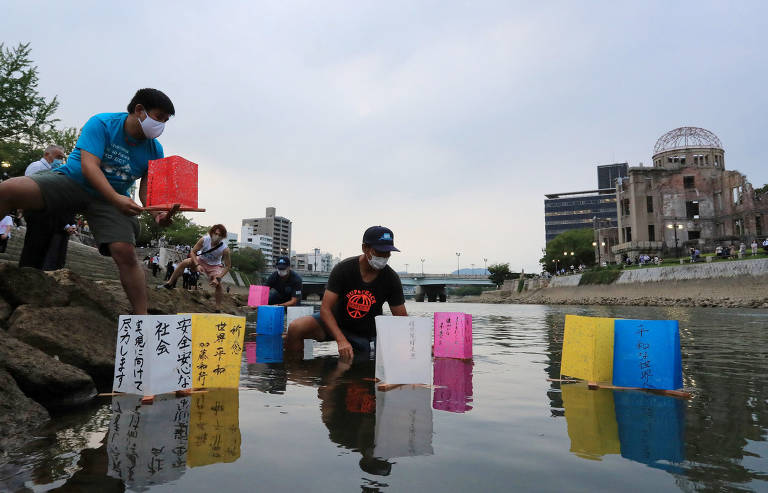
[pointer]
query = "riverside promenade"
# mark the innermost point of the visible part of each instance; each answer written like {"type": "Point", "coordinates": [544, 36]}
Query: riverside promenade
{"type": "Point", "coordinates": [738, 283]}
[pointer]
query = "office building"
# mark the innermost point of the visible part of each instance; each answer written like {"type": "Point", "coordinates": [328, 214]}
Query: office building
{"type": "Point", "coordinates": [263, 243]}
{"type": "Point", "coordinates": [578, 210]}
{"type": "Point", "coordinates": [607, 174]}
{"type": "Point", "coordinates": [274, 226]}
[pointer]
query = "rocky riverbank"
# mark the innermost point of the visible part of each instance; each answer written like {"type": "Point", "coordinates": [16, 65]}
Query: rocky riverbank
{"type": "Point", "coordinates": [733, 292]}
{"type": "Point", "coordinates": [58, 333]}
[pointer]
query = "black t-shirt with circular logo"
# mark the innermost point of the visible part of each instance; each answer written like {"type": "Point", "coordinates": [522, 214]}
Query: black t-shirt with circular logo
{"type": "Point", "coordinates": [359, 301]}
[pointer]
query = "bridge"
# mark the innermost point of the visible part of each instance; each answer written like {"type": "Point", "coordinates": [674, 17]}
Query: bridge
{"type": "Point", "coordinates": [429, 286]}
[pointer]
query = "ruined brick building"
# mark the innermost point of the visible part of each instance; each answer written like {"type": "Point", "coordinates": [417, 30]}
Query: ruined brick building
{"type": "Point", "coordinates": [687, 197]}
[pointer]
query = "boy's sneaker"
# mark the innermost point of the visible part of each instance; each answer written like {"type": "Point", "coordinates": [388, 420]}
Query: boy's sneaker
{"type": "Point", "coordinates": [164, 285]}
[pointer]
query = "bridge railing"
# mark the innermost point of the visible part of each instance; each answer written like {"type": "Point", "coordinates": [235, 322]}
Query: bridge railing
{"type": "Point", "coordinates": [413, 275]}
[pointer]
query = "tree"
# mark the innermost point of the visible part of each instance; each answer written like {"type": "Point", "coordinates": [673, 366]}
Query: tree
{"type": "Point", "coordinates": [500, 273]}
{"type": "Point", "coordinates": [249, 261]}
{"type": "Point", "coordinates": [27, 124]}
{"type": "Point", "coordinates": [558, 252]}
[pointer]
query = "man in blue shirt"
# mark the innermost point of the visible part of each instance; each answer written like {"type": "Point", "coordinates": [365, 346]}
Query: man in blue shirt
{"type": "Point", "coordinates": [112, 152]}
{"type": "Point", "coordinates": [285, 285]}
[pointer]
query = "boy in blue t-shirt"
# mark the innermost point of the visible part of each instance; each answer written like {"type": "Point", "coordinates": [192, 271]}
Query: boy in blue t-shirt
{"type": "Point", "coordinates": [112, 152]}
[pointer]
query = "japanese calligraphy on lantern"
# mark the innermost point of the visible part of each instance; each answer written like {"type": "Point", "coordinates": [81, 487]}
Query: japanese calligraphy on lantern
{"type": "Point", "coordinates": [403, 347]}
{"type": "Point", "coordinates": [147, 444]}
{"type": "Point", "coordinates": [153, 354]}
{"type": "Point", "coordinates": [647, 354]}
{"type": "Point", "coordinates": [214, 428]}
{"type": "Point", "coordinates": [453, 335]}
{"type": "Point", "coordinates": [217, 347]}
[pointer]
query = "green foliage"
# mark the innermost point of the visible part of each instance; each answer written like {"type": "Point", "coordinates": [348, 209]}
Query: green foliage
{"type": "Point", "coordinates": [499, 273]}
{"type": "Point", "coordinates": [466, 291]}
{"type": "Point", "coordinates": [599, 276]}
{"type": "Point", "coordinates": [578, 241]}
{"type": "Point", "coordinates": [182, 230]}
{"type": "Point", "coordinates": [762, 190]}
{"type": "Point", "coordinates": [27, 124]}
{"type": "Point", "coordinates": [249, 261]}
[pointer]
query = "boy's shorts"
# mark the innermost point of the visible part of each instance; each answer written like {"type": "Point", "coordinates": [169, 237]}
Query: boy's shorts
{"type": "Point", "coordinates": [108, 224]}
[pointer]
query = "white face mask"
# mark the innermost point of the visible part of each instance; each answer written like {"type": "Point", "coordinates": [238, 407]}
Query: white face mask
{"type": "Point", "coordinates": [216, 238]}
{"type": "Point", "coordinates": [151, 128]}
{"type": "Point", "coordinates": [377, 263]}
{"type": "Point", "coordinates": [282, 272]}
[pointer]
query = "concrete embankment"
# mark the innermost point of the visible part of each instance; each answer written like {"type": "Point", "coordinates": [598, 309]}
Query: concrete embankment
{"type": "Point", "coordinates": [726, 284]}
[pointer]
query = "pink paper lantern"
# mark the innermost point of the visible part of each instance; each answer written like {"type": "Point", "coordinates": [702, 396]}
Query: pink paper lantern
{"type": "Point", "coordinates": [258, 295]}
{"type": "Point", "coordinates": [453, 385]}
{"type": "Point", "coordinates": [453, 335]}
{"type": "Point", "coordinates": [250, 352]}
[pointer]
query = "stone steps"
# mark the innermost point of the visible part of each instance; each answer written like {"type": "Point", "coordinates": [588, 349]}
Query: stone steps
{"type": "Point", "coordinates": [82, 259]}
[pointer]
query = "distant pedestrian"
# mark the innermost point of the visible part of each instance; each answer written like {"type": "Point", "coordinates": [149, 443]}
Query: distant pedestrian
{"type": "Point", "coordinates": [765, 245]}
{"type": "Point", "coordinates": [754, 247]}
{"type": "Point", "coordinates": [154, 263]}
{"type": "Point", "coordinates": [168, 269]}
{"type": "Point", "coordinates": [186, 278]}
{"type": "Point", "coordinates": [6, 224]}
{"type": "Point", "coordinates": [742, 250]}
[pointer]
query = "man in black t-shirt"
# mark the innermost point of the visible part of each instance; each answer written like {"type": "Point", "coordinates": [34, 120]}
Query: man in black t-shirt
{"type": "Point", "coordinates": [285, 285]}
{"type": "Point", "coordinates": [357, 289]}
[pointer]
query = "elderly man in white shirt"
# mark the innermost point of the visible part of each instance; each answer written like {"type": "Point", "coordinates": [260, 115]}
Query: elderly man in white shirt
{"type": "Point", "coordinates": [53, 157]}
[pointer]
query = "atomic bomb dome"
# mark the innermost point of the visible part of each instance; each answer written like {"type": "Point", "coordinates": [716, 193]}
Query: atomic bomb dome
{"type": "Point", "coordinates": [688, 146]}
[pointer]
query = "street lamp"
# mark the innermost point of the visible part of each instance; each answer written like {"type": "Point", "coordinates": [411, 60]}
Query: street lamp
{"type": "Point", "coordinates": [406, 268]}
{"type": "Point", "coordinates": [473, 269]}
{"type": "Point", "coordinates": [674, 227]}
{"type": "Point", "coordinates": [485, 261]}
{"type": "Point", "coordinates": [422, 267]}
{"type": "Point", "coordinates": [458, 269]}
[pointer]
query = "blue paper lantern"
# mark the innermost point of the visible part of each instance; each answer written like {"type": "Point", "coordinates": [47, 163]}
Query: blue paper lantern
{"type": "Point", "coordinates": [646, 354]}
{"type": "Point", "coordinates": [270, 319]}
{"type": "Point", "coordinates": [269, 348]}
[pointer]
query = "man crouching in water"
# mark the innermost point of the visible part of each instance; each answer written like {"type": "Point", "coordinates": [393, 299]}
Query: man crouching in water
{"type": "Point", "coordinates": [357, 289]}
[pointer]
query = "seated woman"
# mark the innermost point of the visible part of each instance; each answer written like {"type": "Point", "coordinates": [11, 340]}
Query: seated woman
{"type": "Point", "coordinates": [210, 256]}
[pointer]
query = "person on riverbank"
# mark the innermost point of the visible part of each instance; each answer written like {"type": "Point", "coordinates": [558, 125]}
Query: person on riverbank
{"type": "Point", "coordinates": [754, 247]}
{"type": "Point", "coordinates": [112, 152]}
{"type": "Point", "coordinates": [210, 256]}
{"type": "Point", "coordinates": [285, 285]}
{"type": "Point", "coordinates": [6, 224]}
{"type": "Point", "coordinates": [357, 289]}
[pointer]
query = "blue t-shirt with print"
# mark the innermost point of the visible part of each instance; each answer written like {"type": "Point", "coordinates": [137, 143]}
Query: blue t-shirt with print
{"type": "Point", "coordinates": [123, 158]}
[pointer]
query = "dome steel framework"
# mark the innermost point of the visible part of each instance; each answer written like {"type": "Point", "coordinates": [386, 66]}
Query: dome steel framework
{"type": "Point", "coordinates": [687, 137]}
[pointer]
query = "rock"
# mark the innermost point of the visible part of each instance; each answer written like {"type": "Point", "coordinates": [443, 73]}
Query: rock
{"type": "Point", "coordinates": [50, 382]}
{"type": "Point", "coordinates": [19, 415]}
{"type": "Point", "coordinates": [90, 294]}
{"type": "Point", "coordinates": [77, 335]}
{"type": "Point", "coordinates": [20, 286]}
{"type": "Point", "coordinates": [5, 310]}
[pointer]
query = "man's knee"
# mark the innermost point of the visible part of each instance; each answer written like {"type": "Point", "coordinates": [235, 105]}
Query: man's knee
{"type": "Point", "coordinates": [305, 328]}
{"type": "Point", "coordinates": [124, 254]}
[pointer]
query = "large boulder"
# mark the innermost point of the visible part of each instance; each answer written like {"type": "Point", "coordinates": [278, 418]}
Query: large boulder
{"type": "Point", "coordinates": [97, 295]}
{"type": "Point", "coordinates": [45, 379]}
{"type": "Point", "coordinates": [78, 336]}
{"type": "Point", "coordinates": [20, 286]}
{"type": "Point", "coordinates": [19, 415]}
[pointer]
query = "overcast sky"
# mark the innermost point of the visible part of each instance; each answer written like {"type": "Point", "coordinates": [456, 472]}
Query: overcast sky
{"type": "Point", "coordinates": [446, 121]}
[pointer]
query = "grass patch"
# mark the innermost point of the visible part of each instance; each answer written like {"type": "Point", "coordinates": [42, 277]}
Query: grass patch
{"type": "Point", "coordinates": [601, 276]}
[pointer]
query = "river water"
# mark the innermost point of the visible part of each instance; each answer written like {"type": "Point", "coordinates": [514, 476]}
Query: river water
{"type": "Point", "coordinates": [321, 426]}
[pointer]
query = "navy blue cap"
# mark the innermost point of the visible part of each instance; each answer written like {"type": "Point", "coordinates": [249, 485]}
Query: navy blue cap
{"type": "Point", "coordinates": [283, 263]}
{"type": "Point", "coordinates": [380, 238]}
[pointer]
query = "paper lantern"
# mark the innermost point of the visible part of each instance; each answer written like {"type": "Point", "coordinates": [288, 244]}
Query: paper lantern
{"type": "Point", "coordinates": [270, 320]}
{"type": "Point", "coordinates": [403, 350]}
{"type": "Point", "coordinates": [453, 335]}
{"type": "Point", "coordinates": [258, 295]}
{"type": "Point", "coordinates": [588, 348]}
{"type": "Point", "coordinates": [294, 312]}
{"type": "Point", "coordinates": [172, 180]}
{"type": "Point", "coordinates": [646, 354]}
